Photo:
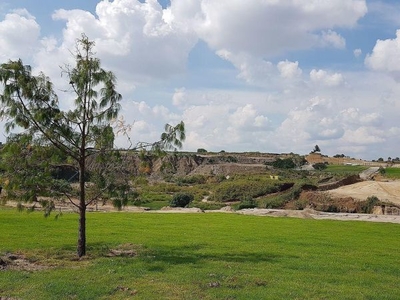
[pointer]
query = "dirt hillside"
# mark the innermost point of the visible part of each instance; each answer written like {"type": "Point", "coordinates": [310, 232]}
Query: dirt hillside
{"type": "Point", "coordinates": [385, 191]}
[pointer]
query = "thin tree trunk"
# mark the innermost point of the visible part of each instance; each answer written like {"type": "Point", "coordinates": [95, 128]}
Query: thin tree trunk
{"type": "Point", "coordinates": [82, 232]}
{"type": "Point", "coordinates": [81, 248]}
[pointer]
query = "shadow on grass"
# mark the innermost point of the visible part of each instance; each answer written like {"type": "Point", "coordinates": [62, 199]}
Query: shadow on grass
{"type": "Point", "coordinates": [195, 254]}
{"type": "Point", "coordinates": [185, 254]}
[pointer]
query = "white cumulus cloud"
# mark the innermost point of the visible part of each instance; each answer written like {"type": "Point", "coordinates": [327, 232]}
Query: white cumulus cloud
{"type": "Point", "coordinates": [19, 34]}
{"type": "Point", "coordinates": [289, 69]}
{"type": "Point", "coordinates": [323, 77]}
{"type": "Point", "coordinates": [385, 56]}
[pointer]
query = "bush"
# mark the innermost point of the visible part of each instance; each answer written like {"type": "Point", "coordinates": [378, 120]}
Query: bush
{"type": "Point", "coordinates": [286, 163]}
{"type": "Point", "coordinates": [239, 189]}
{"type": "Point", "coordinates": [181, 200]}
{"type": "Point", "coordinates": [195, 179]}
{"type": "Point", "coordinates": [248, 202]}
{"type": "Point", "coordinates": [274, 202]}
{"type": "Point", "coordinates": [382, 171]}
{"type": "Point", "coordinates": [368, 205]}
{"type": "Point", "coordinates": [319, 166]}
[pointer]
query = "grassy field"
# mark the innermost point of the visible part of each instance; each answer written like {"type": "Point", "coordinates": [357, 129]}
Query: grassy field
{"type": "Point", "coordinates": [393, 173]}
{"type": "Point", "coordinates": [344, 169]}
{"type": "Point", "coordinates": [201, 256]}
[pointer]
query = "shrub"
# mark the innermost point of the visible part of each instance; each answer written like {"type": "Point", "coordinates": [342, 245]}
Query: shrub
{"type": "Point", "coordinates": [286, 163]}
{"type": "Point", "coordinates": [319, 166]}
{"type": "Point", "coordinates": [369, 204]}
{"type": "Point", "coordinates": [274, 202]}
{"type": "Point", "coordinates": [201, 150]}
{"type": "Point", "coordinates": [239, 189]}
{"type": "Point", "coordinates": [181, 200]}
{"type": "Point", "coordinates": [247, 202]}
{"type": "Point", "coordinates": [382, 171]}
{"type": "Point", "coordinates": [229, 159]}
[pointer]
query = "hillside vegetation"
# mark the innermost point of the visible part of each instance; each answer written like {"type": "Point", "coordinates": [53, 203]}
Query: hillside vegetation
{"type": "Point", "coordinates": [238, 180]}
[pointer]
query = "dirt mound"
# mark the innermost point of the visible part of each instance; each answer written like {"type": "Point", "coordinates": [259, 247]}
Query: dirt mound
{"type": "Point", "coordinates": [384, 191]}
{"type": "Point", "coordinates": [322, 201]}
{"type": "Point", "coordinates": [167, 209]}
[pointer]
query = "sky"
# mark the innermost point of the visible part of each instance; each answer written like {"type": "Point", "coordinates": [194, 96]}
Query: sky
{"type": "Point", "coordinates": [255, 75]}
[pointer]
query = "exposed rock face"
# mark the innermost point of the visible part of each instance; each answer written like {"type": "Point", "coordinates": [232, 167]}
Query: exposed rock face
{"type": "Point", "coordinates": [177, 164]}
{"type": "Point", "coordinates": [181, 164]}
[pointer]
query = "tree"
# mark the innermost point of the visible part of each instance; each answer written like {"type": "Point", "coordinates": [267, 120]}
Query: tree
{"type": "Point", "coordinates": [201, 150]}
{"type": "Point", "coordinates": [316, 149]}
{"type": "Point", "coordinates": [27, 171]}
{"type": "Point", "coordinates": [103, 136]}
{"type": "Point", "coordinates": [29, 102]}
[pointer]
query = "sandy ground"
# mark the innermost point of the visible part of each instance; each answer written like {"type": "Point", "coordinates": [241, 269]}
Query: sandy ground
{"type": "Point", "coordinates": [385, 191]}
{"type": "Point", "coordinates": [303, 214]}
{"type": "Point", "coordinates": [318, 215]}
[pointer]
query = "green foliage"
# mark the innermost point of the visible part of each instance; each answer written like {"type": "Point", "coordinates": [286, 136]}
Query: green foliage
{"type": "Point", "coordinates": [201, 150]}
{"type": "Point", "coordinates": [27, 169]}
{"type": "Point", "coordinates": [286, 163]}
{"type": "Point", "coordinates": [316, 149]}
{"type": "Point", "coordinates": [320, 166]}
{"type": "Point", "coordinates": [229, 159]}
{"type": "Point", "coordinates": [156, 204]}
{"type": "Point", "coordinates": [368, 205]}
{"type": "Point", "coordinates": [247, 202]}
{"type": "Point", "coordinates": [275, 202]}
{"type": "Point", "coordinates": [140, 180]}
{"type": "Point", "coordinates": [103, 136]}
{"type": "Point", "coordinates": [194, 179]}
{"type": "Point", "coordinates": [181, 200]}
{"type": "Point", "coordinates": [344, 170]}
{"type": "Point", "coordinates": [147, 197]}
{"type": "Point", "coordinates": [171, 139]}
{"type": "Point", "coordinates": [281, 199]}
{"type": "Point", "coordinates": [240, 189]}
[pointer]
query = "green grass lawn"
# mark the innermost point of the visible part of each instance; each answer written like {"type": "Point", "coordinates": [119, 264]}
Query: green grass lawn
{"type": "Point", "coordinates": [201, 256]}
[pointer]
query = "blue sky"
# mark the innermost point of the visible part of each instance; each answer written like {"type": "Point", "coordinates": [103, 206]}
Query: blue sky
{"type": "Point", "coordinates": [255, 75]}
